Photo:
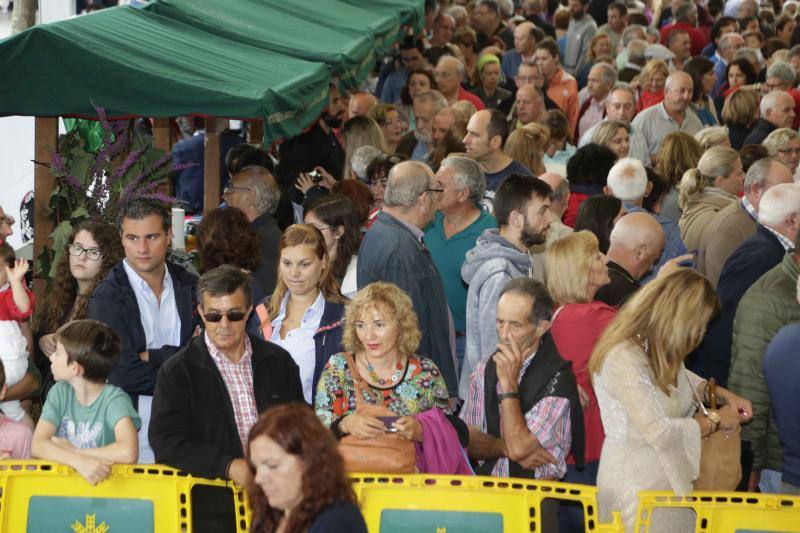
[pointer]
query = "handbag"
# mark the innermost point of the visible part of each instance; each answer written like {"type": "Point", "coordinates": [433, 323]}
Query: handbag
{"type": "Point", "coordinates": [720, 458]}
{"type": "Point", "coordinates": [388, 453]}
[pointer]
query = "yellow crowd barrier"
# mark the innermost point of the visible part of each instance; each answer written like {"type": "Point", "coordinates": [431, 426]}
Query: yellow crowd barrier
{"type": "Point", "coordinates": [725, 512]}
{"type": "Point", "coordinates": [38, 496]}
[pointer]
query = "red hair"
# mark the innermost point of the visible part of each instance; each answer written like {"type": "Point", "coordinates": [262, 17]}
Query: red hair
{"type": "Point", "coordinates": [296, 429]}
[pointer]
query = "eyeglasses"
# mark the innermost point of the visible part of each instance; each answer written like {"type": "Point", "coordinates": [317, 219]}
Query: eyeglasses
{"type": "Point", "coordinates": [437, 191]}
{"type": "Point", "coordinates": [233, 316]}
{"type": "Point", "coordinates": [227, 191]}
{"type": "Point", "coordinates": [93, 254]}
{"type": "Point", "coordinates": [789, 151]}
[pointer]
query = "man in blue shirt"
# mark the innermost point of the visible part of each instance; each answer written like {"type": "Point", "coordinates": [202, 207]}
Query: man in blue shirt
{"type": "Point", "coordinates": [457, 226]}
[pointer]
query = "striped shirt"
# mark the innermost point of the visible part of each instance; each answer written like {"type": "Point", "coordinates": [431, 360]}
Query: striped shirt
{"type": "Point", "coordinates": [238, 379]}
{"type": "Point", "coordinates": [548, 421]}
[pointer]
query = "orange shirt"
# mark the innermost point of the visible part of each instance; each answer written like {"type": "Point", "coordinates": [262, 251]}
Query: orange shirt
{"type": "Point", "coordinates": [562, 89]}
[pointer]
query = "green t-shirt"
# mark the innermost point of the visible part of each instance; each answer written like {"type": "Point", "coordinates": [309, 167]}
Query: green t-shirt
{"type": "Point", "coordinates": [88, 426]}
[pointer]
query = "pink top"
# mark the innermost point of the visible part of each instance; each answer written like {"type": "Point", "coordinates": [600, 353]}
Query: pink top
{"type": "Point", "coordinates": [15, 439]}
{"type": "Point", "coordinates": [8, 309]}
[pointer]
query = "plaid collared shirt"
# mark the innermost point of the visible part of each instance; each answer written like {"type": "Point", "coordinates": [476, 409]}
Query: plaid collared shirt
{"type": "Point", "coordinates": [238, 379]}
{"type": "Point", "coordinates": [787, 244]}
{"type": "Point", "coordinates": [548, 421]}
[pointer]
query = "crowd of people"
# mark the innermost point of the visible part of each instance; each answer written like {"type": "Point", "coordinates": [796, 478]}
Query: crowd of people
{"type": "Point", "coordinates": [522, 250]}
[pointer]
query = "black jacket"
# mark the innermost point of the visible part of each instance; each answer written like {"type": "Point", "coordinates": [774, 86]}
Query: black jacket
{"type": "Point", "coordinates": [192, 426]}
{"type": "Point", "coordinates": [752, 259]}
{"type": "Point", "coordinates": [113, 302]}
{"type": "Point", "coordinates": [759, 132]}
{"type": "Point", "coordinates": [269, 236]}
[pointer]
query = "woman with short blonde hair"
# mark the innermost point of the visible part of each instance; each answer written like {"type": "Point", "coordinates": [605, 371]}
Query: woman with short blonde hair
{"type": "Point", "coordinates": [652, 80]}
{"type": "Point", "coordinates": [615, 135]}
{"type": "Point", "coordinates": [678, 153]}
{"type": "Point", "coordinates": [784, 145]}
{"type": "Point", "coordinates": [713, 136]}
{"type": "Point", "coordinates": [576, 269]}
{"type": "Point", "coordinates": [527, 144]}
{"type": "Point", "coordinates": [646, 397]}
{"type": "Point", "coordinates": [705, 190]}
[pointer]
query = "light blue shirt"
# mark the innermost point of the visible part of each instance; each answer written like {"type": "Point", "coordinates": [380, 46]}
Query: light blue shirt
{"type": "Point", "coordinates": [300, 342]}
{"type": "Point", "coordinates": [160, 321]}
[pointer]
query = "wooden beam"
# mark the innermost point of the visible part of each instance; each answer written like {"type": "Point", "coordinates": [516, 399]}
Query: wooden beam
{"type": "Point", "coordinates": [46, 144]}
{"type": "Point", "coordinates": [162, 139]}
{"type": "Point", "coordinates": [213, 151]}
{"type": "Point", "coordinates": [256, 132]}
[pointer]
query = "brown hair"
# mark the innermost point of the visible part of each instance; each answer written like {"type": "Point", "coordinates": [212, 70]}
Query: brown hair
{"type": "Point", "coordinates": [63, 296]}
{"type": "Point", "coordinates": [296, 429]}
{"type": "Point", "coordinates": [306, 234]}
{"type": "Point", "coordinates": [359, 196]}
{"type": "Point", "coordinates": [225, 237]}
{"type": "Point", "coordinates": [667, 318]}
{"type": "Point", "coordinates": [678, 153]}
{"type": "Point", "coordinates": [336, 210]}
{"type": "Point", "coordinates": [740, 107]}
{"type": "Point", "coordinates": [91, 344]}
{"type": "Point", "coordinates": [527, 144]}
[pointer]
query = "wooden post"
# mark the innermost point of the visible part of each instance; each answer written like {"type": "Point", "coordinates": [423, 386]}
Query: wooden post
{"type": "Point", "coordinates": [46, 144]}
{"type": "Point", "coordinates": [256, 132]}
{"type": "Point", "coordinates": [162, 139]}
{"type": "Point", "coordinates": [212, 161]}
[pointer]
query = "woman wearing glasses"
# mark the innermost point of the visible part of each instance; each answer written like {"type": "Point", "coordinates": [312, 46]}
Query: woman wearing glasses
{"type": "Point", "coordinates": [304, 314]}
{"type": "Point", "coordinates": [93, 248]}
{"type": "Point", "coordinates": [784, 145]}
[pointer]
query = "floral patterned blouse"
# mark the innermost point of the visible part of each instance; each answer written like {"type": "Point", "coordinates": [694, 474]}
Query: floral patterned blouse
{"type": "Point", "coordinates": [421, 388]}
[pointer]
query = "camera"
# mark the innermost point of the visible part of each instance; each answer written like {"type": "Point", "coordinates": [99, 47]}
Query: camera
{"type": "Point", "coordinates": [315, 176]}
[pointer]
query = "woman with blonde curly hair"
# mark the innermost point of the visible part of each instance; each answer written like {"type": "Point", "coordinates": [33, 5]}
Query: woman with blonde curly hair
{"type": "Point", "coordinates": [707, 189]}
{"type": "Point", "coordinates": [527, 145]}
{"type": "Point", "coordinates": [381, 337]}
{"type": "Point", "coordinates": [678, 153]}
{"type": "Point", "coordinates": [651, 83]}
{"type": "Point", "coordinates": [784, 145]}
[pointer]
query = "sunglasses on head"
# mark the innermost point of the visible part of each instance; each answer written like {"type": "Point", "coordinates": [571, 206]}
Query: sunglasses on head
{"type": "Point", "coordinates": [233, 316]}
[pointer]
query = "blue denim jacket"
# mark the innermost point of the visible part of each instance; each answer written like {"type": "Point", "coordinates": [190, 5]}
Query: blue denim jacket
{"type": "Point", "coordinates": [391, 253]}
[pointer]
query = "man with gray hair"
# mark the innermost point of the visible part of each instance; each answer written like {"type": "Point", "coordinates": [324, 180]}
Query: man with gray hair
{"type": "Point", "coordinates": [449, 73]}
{"type": "Point", "coordinates": [631, 32]}
{"type": "Point", "coordinates": [601, 80]}
{"type": "Point", "coordinates": [454, 231]}
{"type": "Point", "coordinates": [254, 191]}
{"type": "Point", "coordinates": [729, 44]}
{"type": "Point", "coordinates": [782, 77]}
{"type": "Point", "coordinates": [416, 144]}
{"type": "Point", "coordinates": [739, 220]}
{"type": "Point", "coordinates": [777, 111]}
{"type": "Point", "coordinates": [779, 219]}
{"type": "Point", "coordinates": [636, 60]}
{"type": "Point", "coordinates": [621, 106]}
{"type": "Point", "coordinates": [392, 251]}
{"type": "Point", "coordinates": [627, 180]}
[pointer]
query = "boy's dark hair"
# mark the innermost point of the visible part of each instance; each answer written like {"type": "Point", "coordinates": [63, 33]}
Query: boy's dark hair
{"type": "Point", "coordinates": [246, 155]}
{"type": "Point", "coordinates": [139, 208]}
{"type": "Point", "coordinates": [91, 344]}
{"type": "Point", "coordinates": [7, 254]}
{"type": "Point", "coordinates": [514, 192]}
{"type": "Point", "coordinates": [590, 165]}
{"type": "Point", "coordinates": [224, 280]}
{"type": "Point", "coordinates": [542, 308]}
{"type": "Point", "coordinates": [498, 125]}
{"type": "Point", "coordinates": [551, 46]}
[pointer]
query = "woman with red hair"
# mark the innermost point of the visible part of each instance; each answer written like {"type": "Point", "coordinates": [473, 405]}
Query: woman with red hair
{"type": "Point", "coordinates": [299, 480]}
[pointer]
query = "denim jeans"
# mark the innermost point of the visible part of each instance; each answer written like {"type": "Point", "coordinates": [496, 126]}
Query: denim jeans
{"type": "Point", "coordinates": [770, 482]}
{"type": "Point", "coordinates": [570, 515]}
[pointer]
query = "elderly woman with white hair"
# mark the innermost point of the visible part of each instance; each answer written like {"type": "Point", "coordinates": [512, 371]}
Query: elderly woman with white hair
{"type": "Point", "coordinates": [784, 145]}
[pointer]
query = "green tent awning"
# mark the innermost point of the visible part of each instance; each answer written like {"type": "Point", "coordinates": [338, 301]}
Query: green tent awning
{"type": "Point", "coordinates": [136, 63]}
{"type": "Point", "coordinates": [348, 52]}
{"type": "Point", "coordinates": [411, 12]}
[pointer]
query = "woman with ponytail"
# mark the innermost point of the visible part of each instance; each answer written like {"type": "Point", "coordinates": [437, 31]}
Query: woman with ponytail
{"type": "Point", "coordinates": [705, 190]}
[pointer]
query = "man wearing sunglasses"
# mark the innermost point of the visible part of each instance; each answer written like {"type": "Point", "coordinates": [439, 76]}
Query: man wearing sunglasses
{"type": "Point", "coordinates": [210, 393]}
{"type": "Point", "coordinates": [148, 302]}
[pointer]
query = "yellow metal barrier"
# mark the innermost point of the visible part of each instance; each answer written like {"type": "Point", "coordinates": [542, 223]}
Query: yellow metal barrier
{"type": "Point", "coordinates": [464, 504]}
{"type": "Point", "coordinates": [38, 496]}
{"type": "Point", "coordinates": [724, 512]}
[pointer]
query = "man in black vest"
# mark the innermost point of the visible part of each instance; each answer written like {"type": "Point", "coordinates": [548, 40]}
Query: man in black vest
{"type": "Point", "coordinates": [522, 410]}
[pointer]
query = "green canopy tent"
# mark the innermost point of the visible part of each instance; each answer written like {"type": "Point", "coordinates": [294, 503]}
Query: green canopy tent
{"type": "Point", "coordinates": [411, 12]}
{"type": "Point", "coordinates": [348, 52]}
{"type": "Point", "coordinates": [136, 63]}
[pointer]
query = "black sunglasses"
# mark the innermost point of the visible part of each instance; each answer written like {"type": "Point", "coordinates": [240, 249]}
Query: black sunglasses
{"type": "Point", "coordinates": [233, 316]}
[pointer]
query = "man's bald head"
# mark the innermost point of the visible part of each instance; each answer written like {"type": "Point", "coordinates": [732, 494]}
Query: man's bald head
{"type": "Point", "coordinates": [636, 243]}
{"type": "Point", "coordinates": [560, 197]}
{"type": "Point", "coordinates": [360, 104]}
{"type": "Point", "coordinates": [678, 92]}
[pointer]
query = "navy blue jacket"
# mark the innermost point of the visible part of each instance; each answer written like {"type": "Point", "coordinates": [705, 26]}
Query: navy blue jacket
{"type": "Point", "coordinates": [113, 302]}
{"type": "Point", "coordinates": [390, 252]}
{"type": "Point", "coordinates": [751, 260]}
{"type": "Point", "coordinates": [781, 368]}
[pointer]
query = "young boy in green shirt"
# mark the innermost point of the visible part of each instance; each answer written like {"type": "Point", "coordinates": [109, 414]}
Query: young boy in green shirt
{"type": "Point", "coordinates": [86, 423]}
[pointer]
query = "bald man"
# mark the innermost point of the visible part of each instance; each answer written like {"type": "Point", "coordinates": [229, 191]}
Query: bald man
{"type": "Point", "coordinates": [526, 36]}
{"type": "Point", "coordinates": [635, 245]}
{"type": "Point", "coordinates": [360, 104]}
{"type": "Point", "coordinates": [558, 204]}
{"type": "Point", "coordinates": [673, 114]}
{"type": "Point", "coordinates": [449, 73]}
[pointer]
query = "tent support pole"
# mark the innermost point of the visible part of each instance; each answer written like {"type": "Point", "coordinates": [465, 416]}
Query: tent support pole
{"type": "Point", "coordinates": [212, 161]}
{"type": "Point", "coordinates": [256, 132]}
{"type": "Point", "coordinates": [46, 144]}
{"type": "Point", "coordinates": [162, 140]}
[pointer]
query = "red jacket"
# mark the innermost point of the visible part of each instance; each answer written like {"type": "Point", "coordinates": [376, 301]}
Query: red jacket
{"type": "Point", "coordinates": [575, 330]}
{"type": "Point", "coordinates": [464, 94]}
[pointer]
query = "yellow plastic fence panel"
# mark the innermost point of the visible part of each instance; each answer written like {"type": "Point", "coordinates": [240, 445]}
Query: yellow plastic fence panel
{"type": "Point", "coordinates": [43, 497]}
{"type": "Point", "coordinates": [420, 503]}
{"type": "Point", "coordinates": [725, 512]}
